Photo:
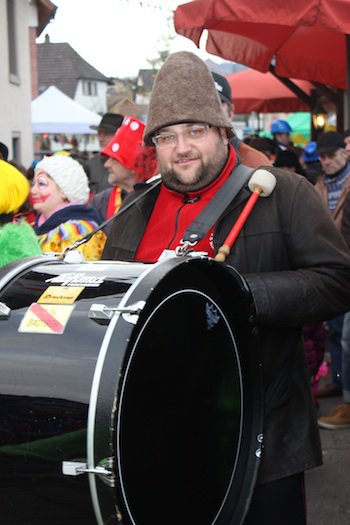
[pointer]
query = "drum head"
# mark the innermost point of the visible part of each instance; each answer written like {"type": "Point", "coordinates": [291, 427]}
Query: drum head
{"type": "Point", "coordinates": [188, 418]}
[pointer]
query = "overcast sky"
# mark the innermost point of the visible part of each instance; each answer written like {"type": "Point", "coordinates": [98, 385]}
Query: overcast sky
{"type": "Point", "coordinates": [118, 36]}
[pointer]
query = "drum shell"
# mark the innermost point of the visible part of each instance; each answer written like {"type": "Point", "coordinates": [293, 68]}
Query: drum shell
{"type": "Point", "coordinates": [45, 386]}
{"type": "Point", "coordinates": [71, 388]}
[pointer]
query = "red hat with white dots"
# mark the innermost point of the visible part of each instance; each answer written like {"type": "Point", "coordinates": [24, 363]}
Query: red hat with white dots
{"type": "Point", "coordinates": [126, 144]}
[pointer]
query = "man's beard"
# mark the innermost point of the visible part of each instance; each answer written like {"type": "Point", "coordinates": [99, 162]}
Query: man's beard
{"type": "Point", "coordinates": [204, 176]}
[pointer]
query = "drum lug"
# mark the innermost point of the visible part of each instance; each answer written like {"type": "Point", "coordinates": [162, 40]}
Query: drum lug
{"type": "Point", "coordinates": [5, 312]}
{"type": "Point", "coordinates": [102, 314]}
{"type": "Point", "coordinates": [103, 470]}
{"type": "Point", "coordinates": [260, 440]}
{"type": "Point", "coordinates": [131, 313]}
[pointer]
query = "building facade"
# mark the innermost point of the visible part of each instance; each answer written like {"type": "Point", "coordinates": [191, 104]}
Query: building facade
{"type": "Point", "coordinates": [20, 23]}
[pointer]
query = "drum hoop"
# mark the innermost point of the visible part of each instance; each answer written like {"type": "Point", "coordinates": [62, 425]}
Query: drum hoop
{"type": "Point", "coordinates": [91, 419]}
{"type": "Point", "coordinates": [20, 266]}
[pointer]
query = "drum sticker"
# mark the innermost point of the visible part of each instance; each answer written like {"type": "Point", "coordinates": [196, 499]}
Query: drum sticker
{"type": "Point", "coordinates": [60, 294]}
{"type": "Point", "coordinates": [212, 315]}
{"type": "Point", "coordinates": [46, 318]}
{"type": "Point", "coordinates": [77, 279]}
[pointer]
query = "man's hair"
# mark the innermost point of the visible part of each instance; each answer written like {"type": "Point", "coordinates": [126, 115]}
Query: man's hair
{"type": "Point", "coordinates": [4, 151]}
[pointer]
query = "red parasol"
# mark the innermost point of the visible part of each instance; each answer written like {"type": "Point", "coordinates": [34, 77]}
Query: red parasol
{"type": "Point", "coordinates": [304, 39]}
{"type": "Point", "coordinates": [264, 93]}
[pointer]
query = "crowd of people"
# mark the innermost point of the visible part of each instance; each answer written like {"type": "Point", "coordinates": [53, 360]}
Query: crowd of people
{"type": "Point", "coordinates": [293, 251]}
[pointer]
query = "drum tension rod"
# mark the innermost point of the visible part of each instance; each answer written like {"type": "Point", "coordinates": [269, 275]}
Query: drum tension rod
{"type": "Point", "coordinates": [76, 468]}
{"type": "Point", "coordinates": [102, 313]}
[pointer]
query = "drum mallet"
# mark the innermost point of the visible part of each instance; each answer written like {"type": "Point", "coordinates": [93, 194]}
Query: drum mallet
{"type": "Point", "coordinates": [261, 184]}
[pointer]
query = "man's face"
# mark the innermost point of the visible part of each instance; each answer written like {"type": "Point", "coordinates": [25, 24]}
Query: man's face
{"type": "Point", "coordinates": [119, 175]}
{"type": "Point", "coordinates": [283, 138]}
{"type": "Point", "coordinates": [333, 161]}
{"type": "Point", "coordinates": [347, 146]}
{"type": "Point", "coordinates": [104, 137]}
{"type": "Point", "coordinates": [192, 163]}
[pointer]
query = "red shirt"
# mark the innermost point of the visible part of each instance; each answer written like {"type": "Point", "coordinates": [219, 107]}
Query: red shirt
{"type": "Point", "coordinates": [174, 212]}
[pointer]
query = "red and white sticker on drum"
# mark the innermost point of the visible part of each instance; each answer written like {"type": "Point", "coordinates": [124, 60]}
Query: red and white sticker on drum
{"type": "Point", "coordinates": [46, 318]}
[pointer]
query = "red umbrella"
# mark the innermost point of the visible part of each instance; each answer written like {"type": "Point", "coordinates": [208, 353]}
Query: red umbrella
{"type": "Point", "coordinates": [264, 93]}
{"type": "Point", "coordinates": [303, 39]}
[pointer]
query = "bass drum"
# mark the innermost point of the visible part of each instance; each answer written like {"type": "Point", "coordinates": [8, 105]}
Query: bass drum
{"type": "Point", "coordinates": [129, 393]}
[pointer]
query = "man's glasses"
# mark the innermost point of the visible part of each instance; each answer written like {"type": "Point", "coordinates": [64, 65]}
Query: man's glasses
{"type": "Point", "coordinates": [194, 133]}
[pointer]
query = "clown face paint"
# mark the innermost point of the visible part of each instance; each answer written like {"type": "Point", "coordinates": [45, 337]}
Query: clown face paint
{"type": "Point", "coordinates": [47, 197]}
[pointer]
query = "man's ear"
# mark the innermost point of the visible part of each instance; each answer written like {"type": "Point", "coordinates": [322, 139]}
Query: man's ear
{"type": "Point", "coordinates": [223, 134]}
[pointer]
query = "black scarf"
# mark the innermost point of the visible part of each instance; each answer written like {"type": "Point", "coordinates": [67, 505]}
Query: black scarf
{"type": "Point", "coordinates": [69, 213]}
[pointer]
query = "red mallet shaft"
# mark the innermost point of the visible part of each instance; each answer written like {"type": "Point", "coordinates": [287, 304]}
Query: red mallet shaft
{"type": "Point", "coordinates": [262, 183]}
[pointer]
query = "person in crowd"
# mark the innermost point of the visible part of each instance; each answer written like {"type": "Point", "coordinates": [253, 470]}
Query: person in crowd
{"type": "Point", "coordinates": [123, 154]}
{"type": "Point", "coordinates": [288, 160]}
{"type": "Point", "coordinates": [4, 151]}
{"type": "Point", "coordinates": [249, 156]}
{"type": "Point", "coordinates": [333, 187]}
{"type": "Point", "coordinates": [60, 191]}
{"type": "Point", "coordinates": [311, 162]}
{"type": "Point", "coordinates": [294, 260]}
{"type": "Point", "coordinates": [346, 136]}
{"type": "Point", "coordinates": [98, 174]}
{"type": "Point", "coordinates": [314, 334]}
{"type": "Point", "coordinates": [265, 145]}
{"type": "Point", "coordinates": [340, 418]}
{"type": "Point", "coordinates": [26, 209]}
{"type": "Point", "coordinates": [17, 238]}
{"type": "Point", "coordinates": [19, 166]}
{"type": "Point", "coordinates": [281, 132]}
{"type": "Point", "coordinates": [315, 347]}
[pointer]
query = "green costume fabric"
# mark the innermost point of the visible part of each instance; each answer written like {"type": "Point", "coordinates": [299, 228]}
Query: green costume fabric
{"type": "Point", "coordinates": [17, 240]}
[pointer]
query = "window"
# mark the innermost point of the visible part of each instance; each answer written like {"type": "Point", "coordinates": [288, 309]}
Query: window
{"type": "Point", "coordinates": [16, 145]}
{"type": "Point", "coordinates": [90, 88]}
{"type": "Point", "coordinates": [12, 41]}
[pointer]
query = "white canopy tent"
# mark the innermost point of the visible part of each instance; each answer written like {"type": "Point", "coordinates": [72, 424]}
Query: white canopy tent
{"type": "Point", "coordinates": [53, 112]}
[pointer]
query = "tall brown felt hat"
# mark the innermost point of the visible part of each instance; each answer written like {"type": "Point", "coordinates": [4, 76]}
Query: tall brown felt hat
{"type": "Point", "coordinates": [110, 122]}
{"type": "Point", "coordinates": [184, 91]}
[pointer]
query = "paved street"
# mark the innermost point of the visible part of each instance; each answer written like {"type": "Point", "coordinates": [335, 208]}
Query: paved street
{"type": "Point", "coordinates": [328, 487]}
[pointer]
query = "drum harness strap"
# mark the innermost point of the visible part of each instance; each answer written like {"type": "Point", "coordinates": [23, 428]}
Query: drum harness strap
{"type": "Point", "coordinates": [205, 220]}
{"type": "Point", "coordinates": [216, 206]}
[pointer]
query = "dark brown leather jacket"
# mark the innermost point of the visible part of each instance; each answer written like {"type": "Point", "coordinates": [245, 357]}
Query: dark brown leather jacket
{"type": "Point", "coordinates": [298, 269]}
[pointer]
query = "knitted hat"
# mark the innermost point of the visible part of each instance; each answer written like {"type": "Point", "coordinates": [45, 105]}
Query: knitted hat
{"type": "Point", "coordinates": [69, 175]}
{"type": "Point", "coordinates": [126, 143]}
{"type": "Point", "coordinates": [184, 91]}
{"type": "Point", "coordinates": [14, 188]}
